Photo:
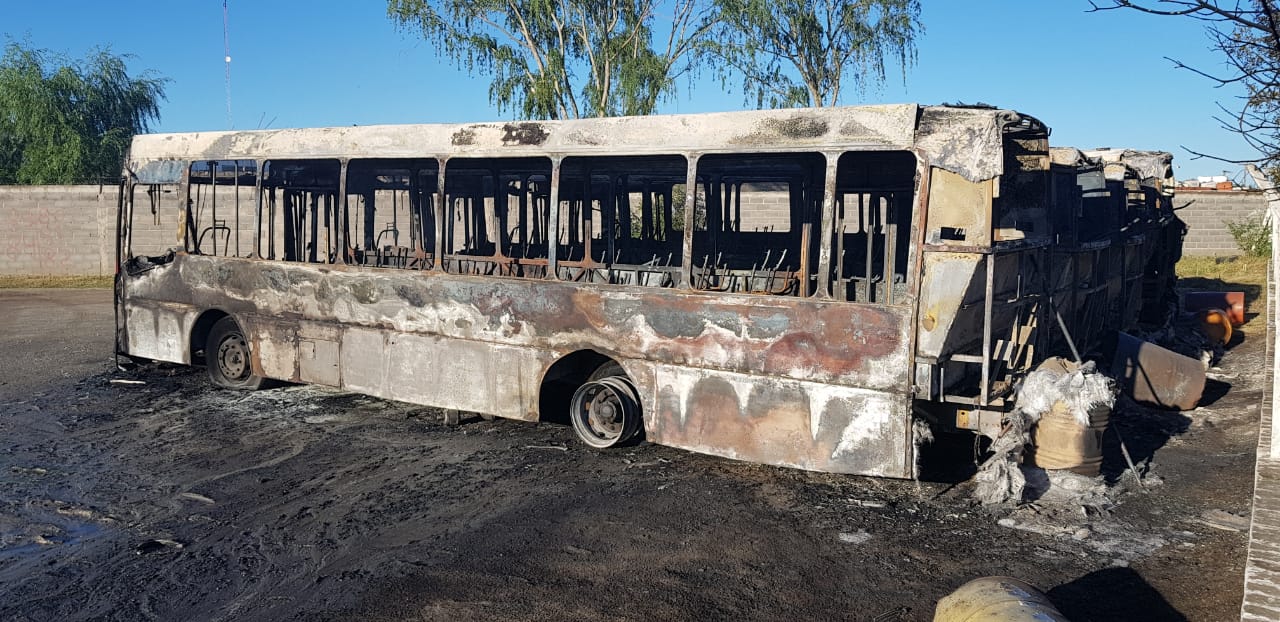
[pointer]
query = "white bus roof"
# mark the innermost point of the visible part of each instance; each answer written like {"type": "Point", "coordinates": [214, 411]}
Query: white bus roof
{"type": "Point", "coordinates": [967, 141]}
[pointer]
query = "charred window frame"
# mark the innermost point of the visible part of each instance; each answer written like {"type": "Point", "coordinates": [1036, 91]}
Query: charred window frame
{"type": "Point", "coordinates": [152, 220]}
{"type": "Point", "coordinates": [755, 219]}
{"type": "Point", "coordinates": [496, 216]}
{"type": "Point", "coordinates": [300, 218]}
{"type": "Point", "coordinates": [220, 206]}
{"type": "Point", "coordinates": [874, 207]}
{"type": "Point", "coordinates": [1020, 209]}
{"type": "Point", "coordinates": [621, 219]}
{"type": "Point", "coordinates": [391, 212]}
{"type": "Point", "coordinates": [151, 225]}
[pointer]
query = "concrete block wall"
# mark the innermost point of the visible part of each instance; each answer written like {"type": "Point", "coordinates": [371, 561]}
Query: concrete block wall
{"type": "Point", "coordinates": [766, 211]}
{"type": "Point", "coordinates": [1206, 214]}
{"type": "Point", "coordinates": [57, 230]}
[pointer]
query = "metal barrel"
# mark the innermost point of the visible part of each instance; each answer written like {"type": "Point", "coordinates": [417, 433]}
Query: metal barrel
{"type": "Point", "coordinates": [1156, 376]}
{"type": "Point", "coordinates": [1059, 441]}
{"type": "Point", "coordinates": [997, 599]}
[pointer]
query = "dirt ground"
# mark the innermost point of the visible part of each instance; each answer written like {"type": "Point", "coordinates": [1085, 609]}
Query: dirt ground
{"type": "Point", "coordinates": [169, 500]}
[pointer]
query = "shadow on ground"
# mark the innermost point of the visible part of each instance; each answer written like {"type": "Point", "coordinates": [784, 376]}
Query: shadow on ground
{"type": "Point", "coordinates": [1113, 594]}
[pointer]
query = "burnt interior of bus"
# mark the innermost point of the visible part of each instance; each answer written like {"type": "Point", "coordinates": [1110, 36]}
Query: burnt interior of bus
{"type": "Point", "coordinates": [875, 197]}
{"type": "Point", "coordinates": [622, 219]}
{"type": "Point", "coordinates": [756, 218]}
{"type": "Point", "coordinates": [391, 216]}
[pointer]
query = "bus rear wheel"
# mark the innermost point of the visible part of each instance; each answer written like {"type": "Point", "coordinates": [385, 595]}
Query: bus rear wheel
{"type": "Point", "coordinates": [605, 411]}
{"type": "Point", "coordinates": [227, 357]}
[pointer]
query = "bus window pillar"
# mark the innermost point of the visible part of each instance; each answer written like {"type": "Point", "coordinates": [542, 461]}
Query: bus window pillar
{"type": "Point", "coordinates": [690, 209]}
{"type": "Point", "coordinates": [440, 215]}
{"type": "Point", "coordinates": [341, 221]}
{"type": "Point", "coordinates": [828, 231]}
{"type": "Point", "coordinates": [553, 226]}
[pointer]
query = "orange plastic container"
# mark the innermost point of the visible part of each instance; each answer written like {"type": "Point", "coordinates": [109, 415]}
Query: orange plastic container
{"type": "Point", "coordinates": [1230, 302]}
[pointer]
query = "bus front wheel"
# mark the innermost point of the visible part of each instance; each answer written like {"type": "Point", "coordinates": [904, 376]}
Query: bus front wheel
{"type": "Point", "coordinates": [227, 357]}
{"type": "Point", "coordinates": [605, 411]}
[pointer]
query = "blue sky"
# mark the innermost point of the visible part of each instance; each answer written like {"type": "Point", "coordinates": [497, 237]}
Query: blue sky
{"type": "Point", "coordinates": [1098, 79]}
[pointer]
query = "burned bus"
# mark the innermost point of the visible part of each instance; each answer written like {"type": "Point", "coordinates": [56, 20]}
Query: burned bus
{"type": "Point", "coordinates": [796, 287]}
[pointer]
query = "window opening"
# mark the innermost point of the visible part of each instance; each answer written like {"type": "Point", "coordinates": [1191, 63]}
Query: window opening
{"type": "Point", "coordinates": [220, 206]}
{"type": "Point", "coordinates": [756, 218]}
{"type": "Point", "coordinates": [302, 221]}
{"type": "Point", "coordinates": [151, 226]}
{"type": "Point", "coordinates": [622, 219]}
{"type": "Point", "coordinates": [391, 219]}
{"type": "Point", "coordinates": [874, 205]}
{"type": "Point", "coordinates": [497, 214]}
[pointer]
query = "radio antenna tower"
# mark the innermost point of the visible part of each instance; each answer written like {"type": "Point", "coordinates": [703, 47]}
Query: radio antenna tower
{"type": "Point", "coordinates": [226, 49]}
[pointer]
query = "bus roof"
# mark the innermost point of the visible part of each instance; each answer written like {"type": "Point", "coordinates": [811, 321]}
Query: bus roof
{"type": "Point", "coordinates": [964, 140]}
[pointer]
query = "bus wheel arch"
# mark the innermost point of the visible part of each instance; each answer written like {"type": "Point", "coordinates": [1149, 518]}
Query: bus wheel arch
{"type": "Point", "coordinates": [199, 337]}
{"type": "Point", "coordinates": [593, 393]}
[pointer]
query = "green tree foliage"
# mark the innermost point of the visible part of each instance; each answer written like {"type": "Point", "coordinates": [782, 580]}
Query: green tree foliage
{"type": "Point", "coordinates": [1247, 33]}
{"type": "Point", "coordinates": [561, 59]}
{"type": "Point", "coordinates": [800, 52]}
{"type": "Point", "coordinates": [64, 121]}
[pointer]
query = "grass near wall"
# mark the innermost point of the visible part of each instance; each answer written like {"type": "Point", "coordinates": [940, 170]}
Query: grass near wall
{"type": "Point", "coordinates": [54, 282]}
{"type": "Point", "coordinates": [1242, 270]}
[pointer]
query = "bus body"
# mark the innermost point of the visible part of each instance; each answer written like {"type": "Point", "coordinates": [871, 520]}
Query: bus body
{"type": "Point", "coordinates": [791, 287]}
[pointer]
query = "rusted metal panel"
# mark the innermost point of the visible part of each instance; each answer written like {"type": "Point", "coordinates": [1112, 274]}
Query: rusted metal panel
{"type": "Point", "coordinates": [952, 290]}
{"type": "Point", "coordinates": [1156, 376]}
{"type": "Point", "coordinates": [318, 353]}
{"type": "Point", "coordinates": [1156, 166]}
{"type": "Point", "coordinates": [826, 341]}
{"type": "Point", "coordinates": [959, 211]}
{"type": "Point", "coordinates": [826, 373]}
{"type": "Point", "coordinates": [965, 141]}
{"type": "Point", "coordinates": [783, 422]}
{"type": "Point", "coordinates": [275, 346]}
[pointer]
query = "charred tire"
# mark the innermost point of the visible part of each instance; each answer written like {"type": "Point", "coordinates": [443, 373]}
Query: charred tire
{"type": "Point", "coordinates": [227, 357]}
{"type": "Point", "coordinates": [605, 410]}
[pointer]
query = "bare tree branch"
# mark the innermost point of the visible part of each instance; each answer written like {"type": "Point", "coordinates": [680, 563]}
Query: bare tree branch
{"type": "Point", "coordinates": [1247, 34]}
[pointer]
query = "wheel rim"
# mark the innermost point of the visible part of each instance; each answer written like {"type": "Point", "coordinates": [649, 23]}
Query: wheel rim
{"type": "Point", "coordinates": [233, 357]}
{"type": "Point", "coordinates": [606, 412]}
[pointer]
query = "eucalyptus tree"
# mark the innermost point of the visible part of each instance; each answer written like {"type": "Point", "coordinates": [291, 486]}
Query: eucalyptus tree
{"type": "Point", "coordinates": [63, 120]}
{"type": "Point", "coordinates": [805, 52]}
{"type": "Point", "coordinates": [561, 59]}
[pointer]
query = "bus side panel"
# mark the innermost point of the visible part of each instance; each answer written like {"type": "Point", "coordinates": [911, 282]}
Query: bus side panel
{"type": "Point", "coordinates": [419, 369]}
{"type": "Point", "coordinates": [455, 373]}
{"type": "Point", "coordinates": [158, 330]}
{"type": "Point", "coordinates": [822, 341]}
{"type": "Point", "coordinates": [815, 384]}
{"type": "Point", "coordinates": [275, 346]}
{"type": "Point", "coordinates": [782, 422]}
